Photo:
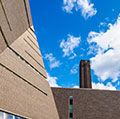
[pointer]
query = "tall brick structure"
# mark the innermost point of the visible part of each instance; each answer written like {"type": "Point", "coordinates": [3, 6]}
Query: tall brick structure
{"type": "Point", "coordinates": [24, 92]}
{"type": "Point", "coordinates": [85, 74]}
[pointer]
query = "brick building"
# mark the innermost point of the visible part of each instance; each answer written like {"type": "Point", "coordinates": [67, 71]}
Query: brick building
{"type": "Point", "coordinates": [24, 92]}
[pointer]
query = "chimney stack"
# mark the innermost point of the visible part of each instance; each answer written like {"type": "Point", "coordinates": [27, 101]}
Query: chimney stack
{"type": "Point", "coordinates": [85, 74]}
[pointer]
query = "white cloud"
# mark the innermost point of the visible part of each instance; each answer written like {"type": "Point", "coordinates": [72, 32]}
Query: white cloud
{"type": "Point", "coordinates": [75, 86]}
{"type": "Point", "coordinates": [52, 60]}
{"type": "Point", "coordinates": [85, 6]}
{"type": "Point", "coordinates": [69, 45]}
{"type": "Point", "coordinates": [106, 62]}
{"type": "Point", "coordinates": [92, 50]}
{"type": "Point", "coordinates": [108, 86]}
{"type": "Point", "coordinates": [74, 69]}
{"type": "Point", "coordinates": [52, 81]}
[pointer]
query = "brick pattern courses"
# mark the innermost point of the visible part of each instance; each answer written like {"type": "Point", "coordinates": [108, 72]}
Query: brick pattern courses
{"type": "Point", "coordinates": [23, 88]}
{"type": "Point", "coordinates": [88, 103]}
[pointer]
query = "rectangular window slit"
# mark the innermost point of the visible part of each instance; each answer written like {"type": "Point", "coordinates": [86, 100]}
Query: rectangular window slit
{"type": "Point", "coordinates": [70, 107]}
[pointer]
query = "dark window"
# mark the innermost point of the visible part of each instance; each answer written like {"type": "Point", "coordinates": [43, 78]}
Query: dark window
{"type": "Point", "coordinates": [71, 107]}
{"type": "Point", "coordinates": [71, 115]}
{"type": "Point", "coordinates": [71, 101]}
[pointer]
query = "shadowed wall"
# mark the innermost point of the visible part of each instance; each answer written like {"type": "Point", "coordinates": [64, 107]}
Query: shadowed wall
{"type": "Point", "coordinates": [88, 103]}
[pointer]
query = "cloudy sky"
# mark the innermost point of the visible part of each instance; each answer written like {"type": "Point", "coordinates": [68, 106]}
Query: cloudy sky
{"type": "Point", "coordinates": [71, 30]}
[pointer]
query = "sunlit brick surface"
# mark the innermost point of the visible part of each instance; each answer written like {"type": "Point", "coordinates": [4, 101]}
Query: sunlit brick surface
{"type": "Point", "coordinates": [23, 88]}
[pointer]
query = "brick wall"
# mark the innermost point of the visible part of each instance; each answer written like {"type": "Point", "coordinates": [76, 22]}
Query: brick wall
{"type": "Point", "coordinates": [88, 103]}
{"type": "Point", "coordinates": [23, 88]}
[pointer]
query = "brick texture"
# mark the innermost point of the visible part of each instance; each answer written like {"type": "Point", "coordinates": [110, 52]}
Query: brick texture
{"type": "Point", "coordinates": [23, 88]}
{"type": "Point", "coordinates": [88, 103]}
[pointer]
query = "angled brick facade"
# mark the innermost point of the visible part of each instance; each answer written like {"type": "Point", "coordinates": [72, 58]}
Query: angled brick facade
{"type": "Point", "coordinates": [23, 88]}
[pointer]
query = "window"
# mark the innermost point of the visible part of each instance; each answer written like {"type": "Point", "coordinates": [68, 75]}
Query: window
{"type": "Point", "coordinates": [71, 101]}
{"type": "Point", "coordinates": [71, 107]}
{"type": "Point", "coordinates": [1, 115]}
{"type": "Point", "coordinates": [16, 117]}
{"type": "Point", "coordinates": [71, 115]}
{"type": "Point", "coordinates": [8, 116]}
{"type": "Point", "coordinates": [4, 115]}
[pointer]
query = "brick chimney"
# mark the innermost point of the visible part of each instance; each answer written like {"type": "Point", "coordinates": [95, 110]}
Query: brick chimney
{"type": "Point", "coordinates": [85, 74]}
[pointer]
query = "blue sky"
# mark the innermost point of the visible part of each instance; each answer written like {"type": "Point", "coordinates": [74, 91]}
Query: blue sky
{"type": "Point", "coordinates": [71, 30]}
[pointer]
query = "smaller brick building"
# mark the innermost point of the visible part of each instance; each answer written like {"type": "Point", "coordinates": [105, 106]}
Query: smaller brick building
{"type": "Point", "coordinates": [87, 103]}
